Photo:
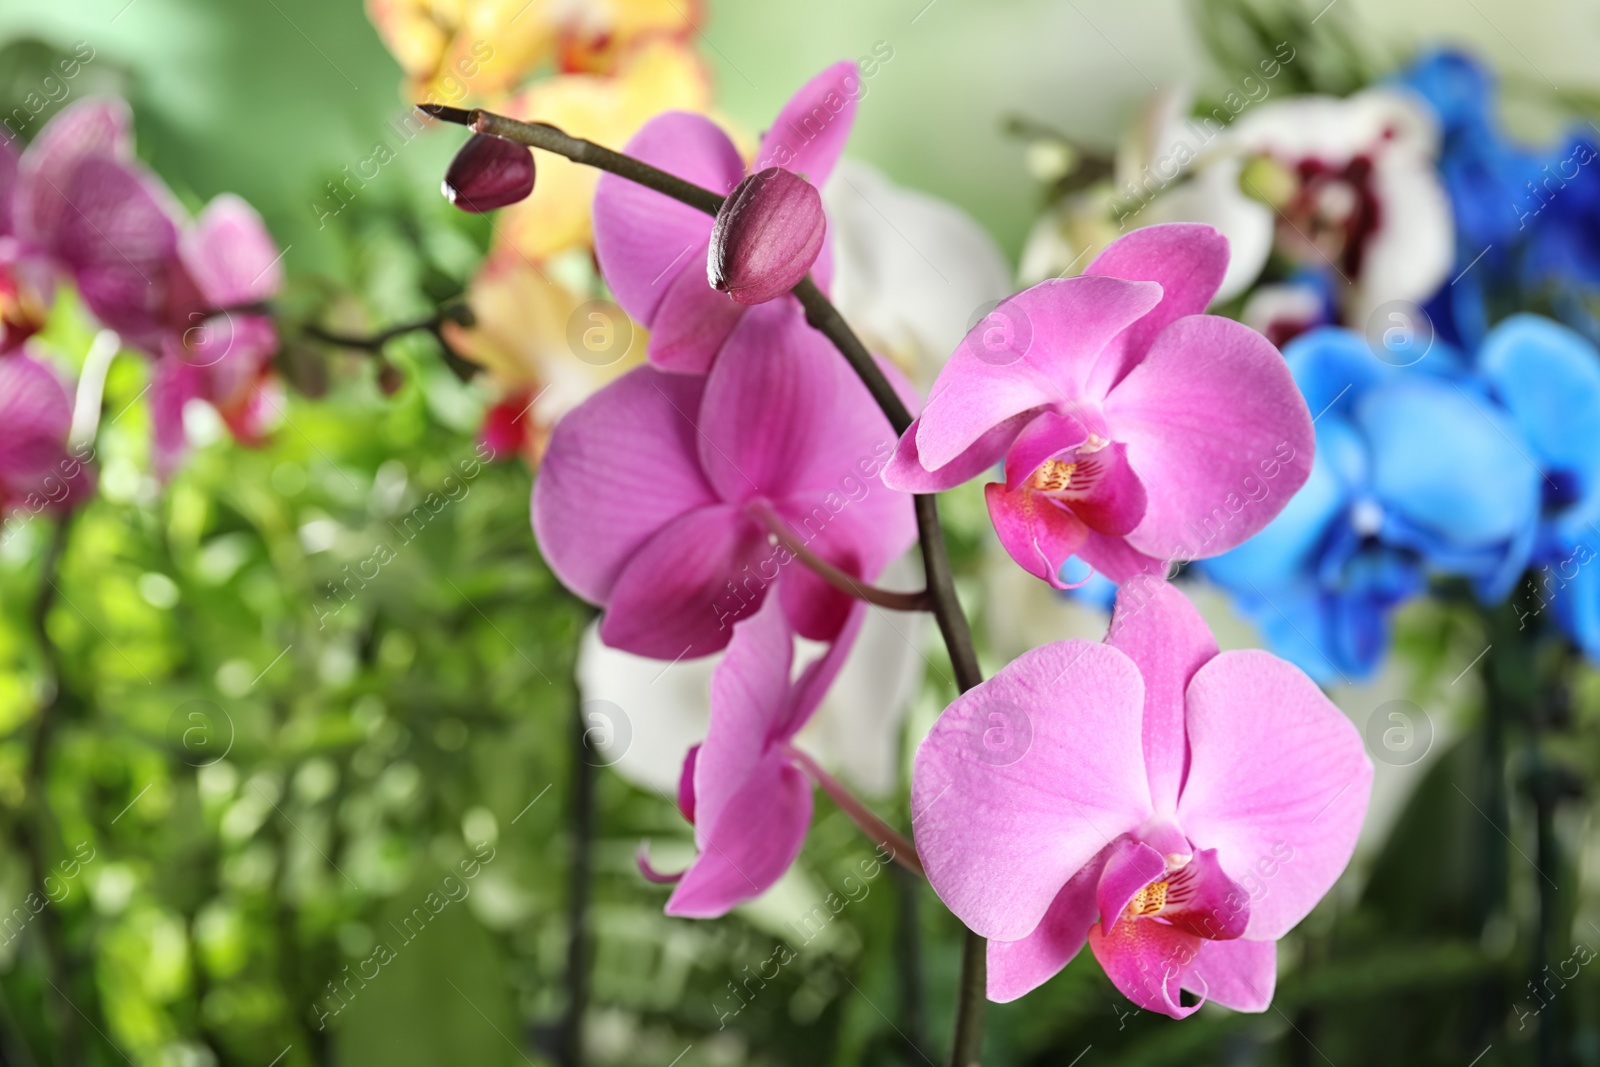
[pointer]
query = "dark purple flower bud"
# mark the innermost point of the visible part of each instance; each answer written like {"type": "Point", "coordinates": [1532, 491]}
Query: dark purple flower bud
{"type": "Point", "coordinates": [767, 235]}
{"type": "Point", "coordinates": [489, 172]}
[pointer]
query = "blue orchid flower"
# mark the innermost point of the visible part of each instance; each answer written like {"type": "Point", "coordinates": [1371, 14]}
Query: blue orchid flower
{"type": "Point", "coordinates": [1419, 473]}
{"type": "Point", "coordinates": [1547, 377]}
{"type": "Point", "coordinates": [1527, 219]}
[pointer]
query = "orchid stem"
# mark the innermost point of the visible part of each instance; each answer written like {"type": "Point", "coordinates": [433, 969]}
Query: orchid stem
{"type": "Point", "coordinates": [825, 318]}
{"type": "Point", "coordinates": [834, 576]}
{"type": "Point", "coordinates": [881, 833]}
{"type": "Point", "coordinates": [40, 827]}
{"type": "Point", "coordinates": [458, 313]}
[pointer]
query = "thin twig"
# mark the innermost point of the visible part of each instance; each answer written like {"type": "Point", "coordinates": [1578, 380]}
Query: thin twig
{"type": "Point", "coordinates": [879, 832]}
{"type": "Point", "coordinates": [457, 313]}
{"type": "Point", "coordinates": [841, 580]}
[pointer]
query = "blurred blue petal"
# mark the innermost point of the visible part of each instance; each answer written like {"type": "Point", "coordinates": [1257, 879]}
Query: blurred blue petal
{"type": "Point", "coordinates": [1449, 463]}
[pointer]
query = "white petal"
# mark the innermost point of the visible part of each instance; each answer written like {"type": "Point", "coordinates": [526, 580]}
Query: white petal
{"type": "Point", "coordinates": [1213, 197]}
{"type": "Point", "coordinates": [910, 270]}
{"type": "Point", "coordinates": [1410, 253]}
{"type": "Point", "coordinates": [667, 708]}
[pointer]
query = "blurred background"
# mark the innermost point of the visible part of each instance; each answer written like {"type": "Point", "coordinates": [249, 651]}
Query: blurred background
{"type": "Point", "coordinates": [305, 771]}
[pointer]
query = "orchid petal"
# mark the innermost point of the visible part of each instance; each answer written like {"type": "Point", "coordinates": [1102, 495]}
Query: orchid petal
{"type": "Point", "coordinates": [1118, 560]}
{"type": "Point", "coordinates": [1449, 462]}
{"type": "Point", "coordinates": [1278, 783]}
{"type": "Point", "coordinates": [1187, 259]}
{"type": "Point", "coordinates": [1206, 412]}
{"type": "Point", "coordinates": [1105, 492]}
{"type": "Point", "coordinates": [230, 254]}
{"type": "Point", "coordinates": [691, 325]}
{"type": "Point", "coordinates": [1048, 340]}
{"type": "Point", "coordinates": [1001, 829]}
{"type": "Point", "coordinates": [10, 160]}
{"type": "Point", "coordinates": [643, 238]}
{"type": "Point", "coordinates": [675, 597]}
{"type": "Point", "coordinates": [1019, 967]}
{"type": "Point", "coordinates": [1237, 974]}
{"type": "Point", "coordinates": [1130, 867]}
{"type": "Point", "coordinates": [84, 130]}
{"type": "Point", "coordinates": [756, 839]}
{"type": "Point", "coordinates": [906, 473]}
{"type": "Point", "coordinates": [1047, 436]}
{"type": "Point", "coordinates": [1155, 626]}
{"type": "Point", "coordinates": [1041, 534]}
{"type": "Point", "coordinates": [1203, 900]}
{"type": "Point", "coordinates": [1548, 378]}
{"type": "Point", "coordinates": [783, 416]}
{"type": "Point", "coordinates": [808, 135]}
{"type": "Point", "coordinates": [750, 698]}
{"type": "Point", "coordinates": [619, 467]}
{"type": "Point", "coordinates": [119, 240]}
{"type": "Point", "coordinates": [1147, 961]}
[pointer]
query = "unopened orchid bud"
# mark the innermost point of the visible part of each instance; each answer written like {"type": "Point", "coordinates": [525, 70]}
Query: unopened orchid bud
{"type": "Point", "coordinates": [766, 237]}
{"type": "Point", "coordinates": [489, 172]}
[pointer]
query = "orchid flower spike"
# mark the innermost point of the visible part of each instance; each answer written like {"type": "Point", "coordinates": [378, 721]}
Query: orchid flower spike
{"type": "Point", "coordinates": [1178, 808]}
{"type": "Point", "coordinates": [653, 250]}
{"type": "Point", "coordinates": [1134, 429]}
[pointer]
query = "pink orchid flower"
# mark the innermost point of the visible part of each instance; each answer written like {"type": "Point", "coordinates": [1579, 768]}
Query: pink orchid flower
{"type": "Point", "coordinates": [652, 249]}
{"type": "Point", "coordinates": [1134, 429]}
{"type": "Point", "coordinates": [745, 788]}
{"type": "Point", "coordinates": [659, 494]}
{"type": "Point", "coordinates": [76, 202]}
{"type": "Point", "coordinates": [38, 471]}
{"type": "Point", "coordinates": [1179, 808]}
{"type": "Point", "coordinates": [209, 348]}
{"type": "Point", "coordinates": [39, 188]}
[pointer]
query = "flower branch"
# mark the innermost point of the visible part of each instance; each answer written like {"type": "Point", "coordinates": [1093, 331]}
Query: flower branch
{"type": "Point", "coordinates": [826, 319]}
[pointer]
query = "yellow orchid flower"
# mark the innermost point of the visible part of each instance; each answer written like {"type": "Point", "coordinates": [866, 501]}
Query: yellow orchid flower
{"type": "Point", "coordinates": [545, 340]}
{"type": "Point", "coordinates": [453, 50]}
{"type": "Point", "coordinates": [662, 75]}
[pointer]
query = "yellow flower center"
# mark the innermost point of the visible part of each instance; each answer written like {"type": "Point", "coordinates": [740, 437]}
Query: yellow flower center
{"type": "Point", "coordinates": [1149, 900]}
{"type": "Point", "coordinates": [1053, 476]}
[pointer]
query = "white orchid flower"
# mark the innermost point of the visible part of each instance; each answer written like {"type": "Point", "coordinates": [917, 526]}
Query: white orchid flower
{"type": "Point", "coordinates": [1346, 185]}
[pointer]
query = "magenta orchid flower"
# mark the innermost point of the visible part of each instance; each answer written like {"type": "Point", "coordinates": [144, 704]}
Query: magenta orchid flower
{"type": "Point", "coordinates": [745, 789]}
{"type": "Point", "coordinates": [38, 470]}
{"type": "Point", "coordinates": [1134, 429]}
{"type": "Point", "coordinates": [74, 202]}
{"type": "Point", "coordinates": [659, 495]}
{"type": "Point", "coordinates": [212, 349]}
{"type": "Point", "coordinates": [1178, 808]}
{"type": "Point", "coordinates": [653, 250]}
